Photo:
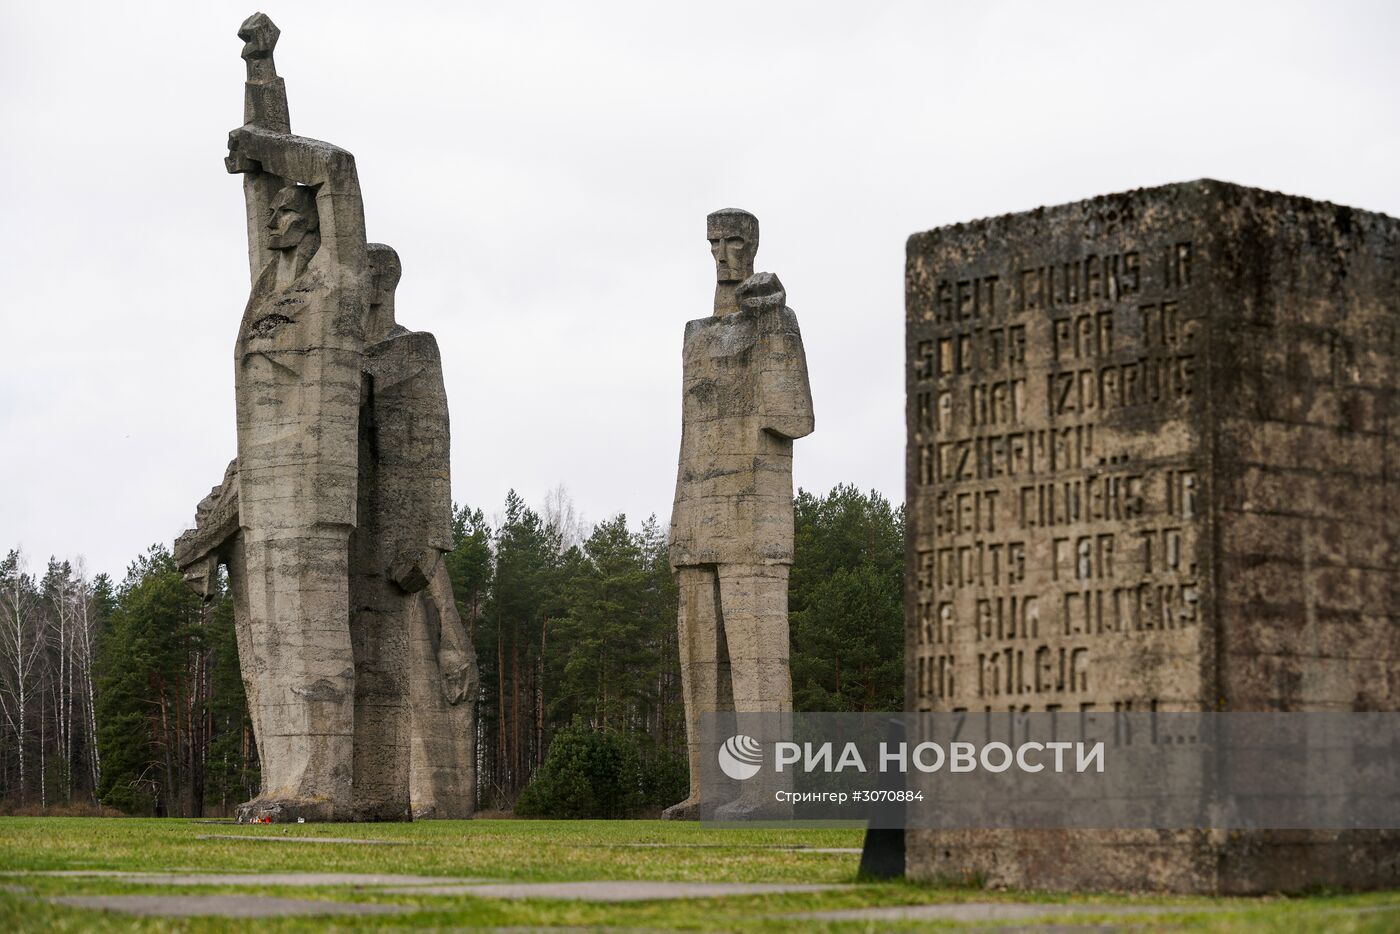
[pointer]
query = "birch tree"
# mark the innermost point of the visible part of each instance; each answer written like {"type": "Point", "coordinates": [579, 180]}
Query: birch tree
{"type": "Point", "coordinates": [21, 651]}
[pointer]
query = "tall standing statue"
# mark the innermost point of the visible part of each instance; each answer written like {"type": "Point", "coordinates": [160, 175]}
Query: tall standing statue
{"type": "Point", "coordinates": [410, 641]}
{"type": "Point", "coordinates": [335, 516]}
{"type": "Point", "coordinates": [746, 397]}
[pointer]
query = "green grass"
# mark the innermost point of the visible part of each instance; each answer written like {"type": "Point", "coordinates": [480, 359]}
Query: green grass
{"type": "Point", "coordinates": [552, 850]}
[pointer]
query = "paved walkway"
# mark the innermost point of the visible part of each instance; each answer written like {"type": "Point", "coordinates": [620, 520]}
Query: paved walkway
{"type": "Point", "coordinates": [793, 847]}
{"type": "Point", "coordinates": [359, 879]}
{"type": "Point", "coordinates": [993, 911]}
{"type": "Point", "coordinates": [1029, 916]}
{"type": "Point", "coordinates": [254, 906]}
{"type": "Point", "coordinates": [224, 906]}
{"type": "Point", "coordinates": [630, 891]}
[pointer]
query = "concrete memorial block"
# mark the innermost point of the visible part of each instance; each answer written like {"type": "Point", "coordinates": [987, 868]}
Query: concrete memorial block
{"type": "Point", "coordinates": [1151, 466]}
{"type": "Point", "coordinates": [746, 398]}
{"type": "Point", "coordinates": [334, 517]}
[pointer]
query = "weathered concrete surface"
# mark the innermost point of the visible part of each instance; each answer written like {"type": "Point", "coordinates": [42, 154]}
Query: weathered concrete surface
{"type": "Point", "coordinates": [1151, 466]}
{"type": "Point", "coordinates": [222, 906]}
{"type": "Point", "coordinates": [630, 891]}
{"type": "Point", "coordinates": [334, 517]}
{"type": "Point", "coordinates": [746, 397]}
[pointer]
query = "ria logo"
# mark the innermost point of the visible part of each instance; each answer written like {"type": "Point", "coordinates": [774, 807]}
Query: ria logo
{"type": "Point", "coordinates": [740, 757]}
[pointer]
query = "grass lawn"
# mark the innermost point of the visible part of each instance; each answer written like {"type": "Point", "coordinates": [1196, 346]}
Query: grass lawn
{"type": "Point", "coordinates": [536, 851]}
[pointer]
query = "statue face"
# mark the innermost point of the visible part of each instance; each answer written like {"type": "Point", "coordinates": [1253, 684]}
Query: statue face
{"type": "Point", "coordinates": [292, 217]}
{"type": "Point", "coordinates": [730, 254]}
{"type": "Point", "coordinates": [386, 269]}
{"type": "Point", "coordinates": [734, 242]}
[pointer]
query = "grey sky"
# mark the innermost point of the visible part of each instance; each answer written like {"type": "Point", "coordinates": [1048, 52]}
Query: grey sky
{"type": "Point", "coordinates": [544, 171]}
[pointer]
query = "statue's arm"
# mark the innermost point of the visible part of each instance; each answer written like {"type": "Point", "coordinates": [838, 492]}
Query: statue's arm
{"type": "Point", "coordinates": [327, 168]}
{"type": "Point", "coordinates": [265, 149]}
{"type": "Point", "coordinates": [456, 655]}
{"type": "Point", "coordinates": [259, 188]}
{"type": "Point", "coordinates": [784, 392]}
{"type": "Point", "coordinates": [787, 393]}
{"type": "Point", "coordinates": [264, 105]}
{"type": "Point", "coordinates": [264, 93]}
{"type": "Point", "coordinates": [198, 551]}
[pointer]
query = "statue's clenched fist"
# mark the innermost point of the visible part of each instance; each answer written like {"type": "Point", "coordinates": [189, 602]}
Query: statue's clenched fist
{"type": "Point", "coordinates": [259, 35]}
{"type": "Point", "coordinates": [237, 160]}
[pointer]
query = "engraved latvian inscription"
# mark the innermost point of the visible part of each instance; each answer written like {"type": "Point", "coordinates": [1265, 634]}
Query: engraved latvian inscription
{"type": "Point", "coordinates": [1150, 467]}
{"type": "Point", "coordinates": [1053, 486]}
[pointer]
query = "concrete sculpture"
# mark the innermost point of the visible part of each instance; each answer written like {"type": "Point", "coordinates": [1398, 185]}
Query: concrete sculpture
{"type": "Point", "coordinates": [746, 398]}
{"type": "Point", "coordinates": [334, 518]}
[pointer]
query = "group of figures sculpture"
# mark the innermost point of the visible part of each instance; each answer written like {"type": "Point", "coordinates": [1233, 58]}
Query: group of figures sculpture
{"type": "Point", "coordinates": [333, 520]}
{"type": "Point", "coordinates": [1149, 465]}
{"type": "Point", "coordinates": [335, 516]}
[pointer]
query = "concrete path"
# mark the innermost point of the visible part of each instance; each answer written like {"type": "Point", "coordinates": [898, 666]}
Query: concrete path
{"type": "Point", "coordinates": [612, 891]}
{"type": "Point", "coordinates": [263, 878]}
{"type": "Point", "coordinates": [992, 911]}
{"type": "Point", "coordinates": [797, 848]}
{"type": "Point", "coordinates": [223, 906]}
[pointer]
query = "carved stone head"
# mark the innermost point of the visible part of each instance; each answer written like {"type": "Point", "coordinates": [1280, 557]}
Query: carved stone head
{"type": "Point", "coordinates": [385, 270]}
{"type": "Point", "coordinates": [292, 216]}
{"type": "Point", "coordinates": [733, 236]}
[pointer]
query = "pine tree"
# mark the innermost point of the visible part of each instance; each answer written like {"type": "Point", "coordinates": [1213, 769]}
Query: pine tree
{"type": "Point", "coordinates": [469, 564]}
{"type": "Point", "coordinates": [233, 771]}
{"type": "Point", "coordinates": [666, 716]}
{"type": "Point", "coordinates": [606, 660]}
{"type": "Point", "coordinates": [153, 692]}
{"type": "Point", "coordinates": [513, 630]}
{"type": "Point", "coordinates": [845, 602]}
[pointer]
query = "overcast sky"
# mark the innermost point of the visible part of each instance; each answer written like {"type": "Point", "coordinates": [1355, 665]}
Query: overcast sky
{"type": "Point", "coordinates": [544, 171]}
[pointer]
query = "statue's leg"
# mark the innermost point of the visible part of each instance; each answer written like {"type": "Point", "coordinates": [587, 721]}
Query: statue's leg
{"type": "Point", "coordinates": [237, 564]}
{"type": "Point", "coordinates": [410, 739]}
{"type": "Point", "coordinates": [443, 700]}
{"type": "Point", "coordinates": [379, 633]}
{"type": "Point", "coordinates": [428, 707]}
{"type": "Point", "coordinates": [380, 614]}
{"type": "Point", "coordinates": [753, 601]}
{"type": "Point", "coordinates": [298, 604]}
{"type": "Point", "coordinates": [704, 670]}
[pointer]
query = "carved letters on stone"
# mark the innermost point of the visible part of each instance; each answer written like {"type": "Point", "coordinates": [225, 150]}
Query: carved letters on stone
{"type": "Point", "coordinates": [1143, 431]}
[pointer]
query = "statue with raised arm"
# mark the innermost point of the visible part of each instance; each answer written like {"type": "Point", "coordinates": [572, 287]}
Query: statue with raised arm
{"type": "Point", "coordinates": [297, 365]}
{"type": "Point", "coordinates": [745, 398]}
{"type": "Point", "coordinates": [334, 517]}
